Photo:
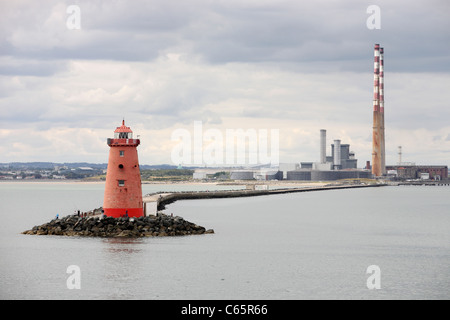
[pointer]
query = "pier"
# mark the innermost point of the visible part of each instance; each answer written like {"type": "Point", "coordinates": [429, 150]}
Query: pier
{"type": "Point", "coordinates": [424, 183]}
{"type": "Point", "coordinates": [157, 201]}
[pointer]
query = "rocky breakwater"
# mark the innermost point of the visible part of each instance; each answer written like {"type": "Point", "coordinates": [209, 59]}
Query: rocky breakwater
{"type": "Point", "coordinates": [150, 226]}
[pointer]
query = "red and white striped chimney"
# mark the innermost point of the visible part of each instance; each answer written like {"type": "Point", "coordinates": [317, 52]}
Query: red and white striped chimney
{"type": "Point", "coordinates": [381, 103]}
{"type": "Point", "coordinates": [376, 78]}
{"type": "Point", "coordinates": [381, 80]}
{"type": "Point", "coordinates": [376, 135]}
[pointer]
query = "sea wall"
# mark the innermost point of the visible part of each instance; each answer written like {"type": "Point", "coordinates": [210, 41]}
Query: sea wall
{"type": "Point", "coordinates": [151, 226]}
{"type": "Point", "coordinates": [175, 196]}
{"type": "Point", "coordinates": [170, 198]}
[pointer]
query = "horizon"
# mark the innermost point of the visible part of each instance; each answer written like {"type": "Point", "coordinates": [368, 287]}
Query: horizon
{"type": "Point", "coordinates": [260, 166]}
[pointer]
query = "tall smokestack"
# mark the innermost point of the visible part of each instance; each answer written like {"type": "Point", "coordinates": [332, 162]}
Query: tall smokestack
{"type": "Point", "coordinates": [382, 131]}
{"type": "Point", "coordinates": [323, 146]}
{"type": "Point", "coordinates": [376, 141]}
{"type": "Point", "coordinates": [337, 155]}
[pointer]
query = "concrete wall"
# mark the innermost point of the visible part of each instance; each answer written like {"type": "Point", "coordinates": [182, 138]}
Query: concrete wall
{"type": "Point", "coordinates": [339, 174]}
{"type": "Point", "coordinates": [299, 175]}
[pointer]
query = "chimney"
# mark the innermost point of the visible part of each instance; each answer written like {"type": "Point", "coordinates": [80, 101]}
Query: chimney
{"type": "Point", "coordinates": [376, 134]}
{"type": "Point", "coordinates": [337, 155]}
{"type": "Point", "coordinates": [382, 131]}
{"type": "Point", "coordinates": [323, 143]}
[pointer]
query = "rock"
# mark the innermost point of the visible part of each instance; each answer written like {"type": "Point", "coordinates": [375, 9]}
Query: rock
{"type": "Point", "coordinates": [57, 231]}
{"type": "Point", "coordinates": [124, 233]}
{"type": "Point", "coordinates": [151, 226]}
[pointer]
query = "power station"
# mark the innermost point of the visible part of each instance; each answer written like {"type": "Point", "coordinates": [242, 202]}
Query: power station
{"type": "Point", "coordinates": [341, 163]}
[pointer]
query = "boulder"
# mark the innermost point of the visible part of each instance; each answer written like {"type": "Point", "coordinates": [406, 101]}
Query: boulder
{"type": "Point", "coordinates": [150, 226]}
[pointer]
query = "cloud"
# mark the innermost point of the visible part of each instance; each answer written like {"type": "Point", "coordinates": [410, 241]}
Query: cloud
{"type": "Point", "coordinates": [289, 65]}
{"type": "Point", "coordinates": [319, 32]}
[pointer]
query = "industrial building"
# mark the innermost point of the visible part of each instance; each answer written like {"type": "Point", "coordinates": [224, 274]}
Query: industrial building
{"type": "Point", "coordinates": [304, 174]}
{"type": "Point", "coordinates": [268, 174]}
{"type": "Point", "coordinates": [237, 174]}
{"type": "Point", "coordinates": [242, 175]}
{"type": "Point", "coordinates": [341, 164]}
{"type": "Point", "coordinates": [285, 167]}
{"type": "Point", "coordinates": [347, 157]}
{"type": "Point", "coordinates": [341, 157]}
{"type": "Point", "coordinates": [211, 174]}
{"type": "Point", "coordinates": [418, 172]}
{"type": "Point", "coordinates": [328, 175]}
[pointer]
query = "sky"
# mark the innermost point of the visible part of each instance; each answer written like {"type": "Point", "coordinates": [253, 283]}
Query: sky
{"type": "Point", "coordinates": [68, 78]}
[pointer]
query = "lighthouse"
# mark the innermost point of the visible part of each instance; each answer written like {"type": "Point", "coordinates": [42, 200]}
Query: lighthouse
{"type": "Point", "coordinates": [123, 190]}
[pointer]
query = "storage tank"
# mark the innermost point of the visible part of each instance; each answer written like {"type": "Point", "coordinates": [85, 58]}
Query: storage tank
{"type": "Point", "coordinates": [324, 175]}
{"type": "Point", "coordinates": [340, 174]}
{"type": "Point", "coordinates": [242, 175]}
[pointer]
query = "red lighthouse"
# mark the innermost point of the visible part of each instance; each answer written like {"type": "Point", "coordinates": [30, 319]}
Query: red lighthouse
{"type": "Point", "coordinates": [123, 190]}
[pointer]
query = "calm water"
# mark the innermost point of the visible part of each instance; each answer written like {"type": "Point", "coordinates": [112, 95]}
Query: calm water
{"type": "Point", "coordinates": [314, 245]}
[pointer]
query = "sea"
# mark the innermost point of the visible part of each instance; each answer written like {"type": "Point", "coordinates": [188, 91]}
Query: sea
{"type": "Point", "coordinates": [388, 242]}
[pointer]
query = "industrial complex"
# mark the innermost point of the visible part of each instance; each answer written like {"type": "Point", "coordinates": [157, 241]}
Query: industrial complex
{"type": "Point", "coordinates": [341, 162]}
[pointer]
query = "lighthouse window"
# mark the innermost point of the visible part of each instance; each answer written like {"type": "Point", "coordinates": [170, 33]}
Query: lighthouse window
{"type": "Point", "coordinates": [121, 153]}
{"type": "Point", "coordinates": [124, 135]}
{"type": "Point", "coordinates": [121, 183]}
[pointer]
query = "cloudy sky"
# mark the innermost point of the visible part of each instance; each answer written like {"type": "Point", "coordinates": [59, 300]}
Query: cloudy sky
{"type": "Point", "coordinates": [293, 66]}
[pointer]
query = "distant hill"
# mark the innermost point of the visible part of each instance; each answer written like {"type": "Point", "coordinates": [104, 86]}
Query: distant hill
{"type": "Point", "coordinates": [51, 165]}
{"type": "Point", "coordinates": [70, 165]}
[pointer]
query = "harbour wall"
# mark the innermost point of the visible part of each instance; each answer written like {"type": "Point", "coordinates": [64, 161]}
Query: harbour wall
{"type": "Point", "coordinates": [164, 199]}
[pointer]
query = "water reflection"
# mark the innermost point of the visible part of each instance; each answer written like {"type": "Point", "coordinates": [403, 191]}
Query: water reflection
{"type": "Point", "coordinates": [123, 245]}
{"type": "Point", "coordinates": [122, 264]}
